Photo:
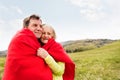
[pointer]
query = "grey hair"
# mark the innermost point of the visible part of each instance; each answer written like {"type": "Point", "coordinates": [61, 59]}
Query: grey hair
{"type": "Point", "coordinates": [47, 25]}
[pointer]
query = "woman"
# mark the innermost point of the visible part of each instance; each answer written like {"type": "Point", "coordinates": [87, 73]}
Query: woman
{"type": "Point", "coordinates": [59, 62]}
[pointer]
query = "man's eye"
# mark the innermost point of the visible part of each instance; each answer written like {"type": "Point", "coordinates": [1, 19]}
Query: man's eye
{"type": "Point", "coordinates": [40, 26]}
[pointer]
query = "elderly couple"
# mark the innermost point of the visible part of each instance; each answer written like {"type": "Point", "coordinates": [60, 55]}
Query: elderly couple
{"type": "Point", "coordinates": [33, 54]}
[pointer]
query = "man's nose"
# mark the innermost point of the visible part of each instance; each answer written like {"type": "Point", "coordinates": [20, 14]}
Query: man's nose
{"type": "Point", "coordinates": [39, 28]}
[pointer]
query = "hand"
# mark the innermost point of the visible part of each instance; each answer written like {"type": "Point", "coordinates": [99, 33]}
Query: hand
{"type": "Point", "coordinates": [42, 53]}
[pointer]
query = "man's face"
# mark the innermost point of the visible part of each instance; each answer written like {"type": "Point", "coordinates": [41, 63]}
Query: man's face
{"type": "Point", "coordinates": [35, 27]}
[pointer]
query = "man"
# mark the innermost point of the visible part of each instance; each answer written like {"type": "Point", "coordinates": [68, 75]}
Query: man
{"type": "Point", "coordinates": [22, 63]}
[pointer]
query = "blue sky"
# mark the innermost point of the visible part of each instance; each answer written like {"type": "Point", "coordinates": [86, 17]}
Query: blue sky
{"type": "Point", "coordinates": [71, 19]}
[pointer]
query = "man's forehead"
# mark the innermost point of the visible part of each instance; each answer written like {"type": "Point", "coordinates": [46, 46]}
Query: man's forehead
{"type": "Point", "coordinates": [35, 21]}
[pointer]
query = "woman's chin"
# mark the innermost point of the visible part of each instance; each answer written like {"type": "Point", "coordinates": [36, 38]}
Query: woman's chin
{"type": "Point", "coordinates": [45, 41]}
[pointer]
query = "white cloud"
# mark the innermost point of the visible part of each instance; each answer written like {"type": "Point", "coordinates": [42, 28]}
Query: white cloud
{"type": "Point", "coordinates": [3, 8]}
{"type": "Point", "coordinates": [16, 24]}
{"type": "Point", "coordinates": [9, 23]}
{"type": "Point", "coordinates": [17, 9]}
{"type": "Point", "coordinates": [92, 15]}
{"type": "Point", "coordinates": [87, 3]}
{"type": "Point", "coordinates": [8, 11]}
{"type": "Point", "coordinates": [8, 30]}
{"type": "Point", "coordinates": [1, 22]}
{"type": "Point", "coordinates": [92, 10]}
{"type": "Point", "coordinates": [114, 25]}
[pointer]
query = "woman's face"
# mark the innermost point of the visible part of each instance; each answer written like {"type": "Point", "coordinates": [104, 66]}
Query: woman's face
{"type": "Point", "coordinates": [47, 34]}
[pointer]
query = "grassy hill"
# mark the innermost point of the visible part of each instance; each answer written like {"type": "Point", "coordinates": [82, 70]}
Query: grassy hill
{"type": "Point", "coordinates": [78, 45]}
{"type": "Point", "coordinates": [2, 61]}
{"type": "Point", "coordinates": [83, 45]}
{"type": "Point", "coordinates": [97, 64]}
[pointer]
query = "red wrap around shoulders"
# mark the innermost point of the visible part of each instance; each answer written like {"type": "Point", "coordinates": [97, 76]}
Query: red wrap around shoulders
{"type": "Point", "coordinates": [22, 62]}
{"type": "Point", "coordinates": [58, 53]}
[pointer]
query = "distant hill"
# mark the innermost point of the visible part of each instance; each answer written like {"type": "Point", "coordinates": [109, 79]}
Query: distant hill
{"type": "Point", "coordinates": [3, 53]}
{"type": "Point", "coordinates": [79, 45]}
{"type": "Point", "coordinates": [83, 45]}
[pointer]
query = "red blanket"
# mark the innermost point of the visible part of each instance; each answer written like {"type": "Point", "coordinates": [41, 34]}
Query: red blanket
{"type": "Point", "coordinates": [58, 53]}
{"type": "Point", "coordinates": [22, 62]}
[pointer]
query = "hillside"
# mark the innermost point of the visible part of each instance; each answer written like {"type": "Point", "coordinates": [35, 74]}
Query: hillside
{"type": "Point", "coordinates": [83, 45]}
{"type": "Point", "coordinates": [79, 45]}
{"type": "Point", "coordinates": [3, 53]}
{"type": "Point", "coordinates": [98, 64]}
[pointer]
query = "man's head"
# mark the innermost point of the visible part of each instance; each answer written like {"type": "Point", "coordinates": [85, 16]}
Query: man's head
{"type": "Point", "coordinates": [33, 23]}
{"type": "Point", "coordinates": [48, 32]}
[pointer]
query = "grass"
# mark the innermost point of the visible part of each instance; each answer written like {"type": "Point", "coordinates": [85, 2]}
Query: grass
{"type": "Point", "coordinates": [98, 64]}
{"type": "Point", "coordinates": [2, 61]}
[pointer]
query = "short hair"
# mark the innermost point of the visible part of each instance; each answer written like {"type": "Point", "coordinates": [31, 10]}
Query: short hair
{"type": "Point", "coordinates": [46, 25]}
{"type": "Point", "coordinates": [26, 21]}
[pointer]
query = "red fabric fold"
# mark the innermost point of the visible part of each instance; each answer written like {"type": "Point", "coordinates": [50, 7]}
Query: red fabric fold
{"type": "Point", "coordinates": [58, 53]}
{"type": "Point", "coordinates": [22, 63]}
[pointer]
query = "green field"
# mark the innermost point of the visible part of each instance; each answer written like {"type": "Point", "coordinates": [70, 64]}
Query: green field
{"type": "Point", "coordinates": [2, 61]}
{"type": "Point", "coordinates": [98, 64]}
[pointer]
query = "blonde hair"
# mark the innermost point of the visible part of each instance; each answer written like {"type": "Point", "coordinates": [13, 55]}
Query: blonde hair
{"type": "Point", "coordinates": [53, 31]}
